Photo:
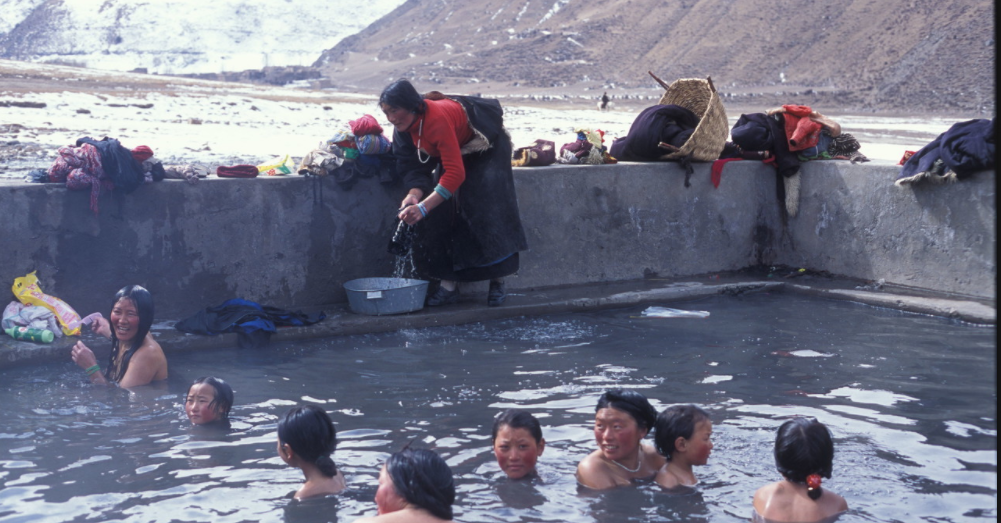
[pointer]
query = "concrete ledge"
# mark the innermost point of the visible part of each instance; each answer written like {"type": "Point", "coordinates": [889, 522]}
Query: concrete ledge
{"type": "Point", "coordinates": [341, 321]}
{"type": "Point", "coordinates": [969, 311]}
{"type": "Point", "coordinates": [292, 242]}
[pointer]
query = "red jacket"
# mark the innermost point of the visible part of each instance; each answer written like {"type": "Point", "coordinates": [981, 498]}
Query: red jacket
{"type": "Point", "coordinates": [801, 131]}
{"type": "Point", "coordinates": [445, 129]}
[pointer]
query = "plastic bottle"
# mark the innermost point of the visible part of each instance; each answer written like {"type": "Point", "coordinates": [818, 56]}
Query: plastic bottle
{"type": "Point", "coordinates": [27, 334]}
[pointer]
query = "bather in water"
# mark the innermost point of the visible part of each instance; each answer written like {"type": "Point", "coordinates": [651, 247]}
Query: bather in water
{"type": "Point", "coordinates": [136, 358]}
{"type": "Point", "coordinates": [622, 419]}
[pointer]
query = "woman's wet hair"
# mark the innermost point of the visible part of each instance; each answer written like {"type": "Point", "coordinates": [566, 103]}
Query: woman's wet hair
{"type": "Point", "coordinates": [676, 421]}
{"type": "Point", "coordinates": [632, 403]}
{"type": "Point", "coordinates": [143, 302]}
{"type": "Point", "coordinates": [312, 436]}
{"type": "Point", "coordinates": [517, 419]}
{"type": "Point", "coordinates": [803, 446]}
{"type": "Point", "coordinates": [404, 95]}
{"type": "Point", "coordinates": [223, 400]}
{"type": "Point", "coordinates": [423, 479]}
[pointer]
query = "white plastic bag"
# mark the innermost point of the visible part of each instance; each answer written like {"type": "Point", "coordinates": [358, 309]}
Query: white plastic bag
{"type": "Point", "coordinates": [665, 312]}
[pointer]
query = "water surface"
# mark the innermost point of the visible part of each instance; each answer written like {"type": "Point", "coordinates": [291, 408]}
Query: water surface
{"type": "Point", "coordinates": [911, 401]}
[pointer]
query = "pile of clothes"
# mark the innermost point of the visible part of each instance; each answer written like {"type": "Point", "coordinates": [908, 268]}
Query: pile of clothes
{"type": "Point", "coordinates": [359, 151]}
{"type": "Point", "coordinates": [588, 149]}
{"type": "Point", "coordinates": [107, 165]}
{"type": "Point", "coordinates": [659, 130]}
{"type": "Point", "coordinates": [967, 147]}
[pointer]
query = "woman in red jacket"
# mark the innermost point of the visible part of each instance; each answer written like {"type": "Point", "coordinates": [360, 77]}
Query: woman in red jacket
{"type": "Point", "coordinates": [455, 159]}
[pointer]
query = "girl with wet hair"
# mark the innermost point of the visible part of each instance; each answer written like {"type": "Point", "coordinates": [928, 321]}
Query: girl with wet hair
{"type": "Point", "coordinates": [135, 358]}
{"type": "Point", "coordinates": [306, 439]}
{"type": "Point", "coordinates": [683, 436]}
{"type": "Point", "coordinates": [622, 419]}
{"type": "Point", "coordinates": [208, 402]}
{"type": "Point", "coordinates": [414, 486]}
{"type": "Point", "coordinates": [518, 442]}
{"type": "Point", "coordinates": [804, 454]}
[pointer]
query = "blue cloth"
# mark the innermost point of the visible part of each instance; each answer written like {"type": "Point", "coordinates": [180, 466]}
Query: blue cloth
{"type": "Point", "coordinates": [253, 322]}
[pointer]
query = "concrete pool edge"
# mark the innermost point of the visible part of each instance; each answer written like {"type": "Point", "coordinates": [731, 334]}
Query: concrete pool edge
{"type": "Point", "coordinates": [341, 322]}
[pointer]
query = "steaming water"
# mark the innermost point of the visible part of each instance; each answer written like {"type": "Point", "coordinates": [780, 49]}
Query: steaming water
{"type": "Point", "coordinates": [911, 401]}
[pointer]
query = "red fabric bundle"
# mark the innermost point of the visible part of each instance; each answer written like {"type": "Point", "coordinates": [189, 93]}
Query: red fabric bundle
{"type": "Point", "coordinates": [142, 153]}
{"type": "Point", "coordinates": [365, 125]}
{"type": "Point", "coordinates": [801, 131]}
{"type": "Point", "coordinates": [236, 171]}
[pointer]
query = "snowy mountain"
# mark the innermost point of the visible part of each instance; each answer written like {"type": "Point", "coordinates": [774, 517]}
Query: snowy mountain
{"type": "Point", "coordinates": [180, 36]}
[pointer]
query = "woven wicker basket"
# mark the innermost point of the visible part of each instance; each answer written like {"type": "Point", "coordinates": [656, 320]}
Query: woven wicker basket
{"type": "Point", "coordinates": [700, 97]}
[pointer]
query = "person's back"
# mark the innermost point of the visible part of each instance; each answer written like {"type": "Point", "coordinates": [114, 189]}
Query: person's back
{"type": "Point", "coordinates": [804, 455]}
{"type": "Point", "coordinates": [783, 502]}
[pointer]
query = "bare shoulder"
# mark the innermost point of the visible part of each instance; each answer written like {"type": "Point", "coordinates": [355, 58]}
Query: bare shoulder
{"type": "Point", "coordinates": [652, 458]}
{"type": "Point", "coordinates": [593, 472]}
{"type": "Point", "coordinates": [150, 353]}
{"type": "Point", "coordinates": [763, 495]}
{"type": "Point", "coordinates": [834, 503]}
{"type": "Point", "coordinates": [666, 479]}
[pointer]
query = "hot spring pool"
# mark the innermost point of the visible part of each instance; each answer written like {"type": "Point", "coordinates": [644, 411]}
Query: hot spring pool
{"type": "Point", "coordinates": [911, 401]}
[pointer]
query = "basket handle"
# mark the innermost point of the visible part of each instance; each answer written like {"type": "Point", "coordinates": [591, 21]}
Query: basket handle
{"type": "Point", "coordinates": [667, 87]}
{"type": "Point", "coordinates": [661, 82]}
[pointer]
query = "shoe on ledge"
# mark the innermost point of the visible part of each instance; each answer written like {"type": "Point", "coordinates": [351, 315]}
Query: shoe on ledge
{"type": "Point", "coordinates": [443, 297]}
{"type": "Point", "coordinates": [497, 294]}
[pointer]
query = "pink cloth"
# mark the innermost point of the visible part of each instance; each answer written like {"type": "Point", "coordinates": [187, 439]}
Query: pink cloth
{"type": "Point", "coordinates": [142, 153]}
{"type": "Point", "coordinates": [801, 131]}
{"type": "Point", "coordinates": [367, 124]}
{"type": "Point", "coordinates": [716, 171]}
{"type": "Point", "coordinates": [80, 167]}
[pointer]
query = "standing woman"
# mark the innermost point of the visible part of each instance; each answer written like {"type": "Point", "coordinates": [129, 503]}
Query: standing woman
{"type": "Point", "coordinates": [622, 419]}
{"type": "Point", "coordinates": [136, 358]}
{"type": "Point", "coordinates": [455, 159]}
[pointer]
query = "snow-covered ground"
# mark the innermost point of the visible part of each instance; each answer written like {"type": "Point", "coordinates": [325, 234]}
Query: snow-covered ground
{"type": "Point", "coordinates": [215, 123]}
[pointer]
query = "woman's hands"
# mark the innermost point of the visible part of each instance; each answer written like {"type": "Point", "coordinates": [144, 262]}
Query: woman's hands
{"type": "Point", "coordinates": [83, 356]}
{"type": "Point", "coordinates": [101, 326]}
{"type": "Point", "coordinates": [411, 211]}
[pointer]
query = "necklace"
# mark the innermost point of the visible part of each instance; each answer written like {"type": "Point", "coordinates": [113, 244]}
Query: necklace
{"type": "Point", "coordinates": [639, 462]}
{"type": "Point", "coordinates": [420, 134]}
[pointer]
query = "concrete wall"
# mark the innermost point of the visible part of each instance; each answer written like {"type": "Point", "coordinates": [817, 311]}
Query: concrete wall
{"type": "Point", "coordinates": [292, 242]}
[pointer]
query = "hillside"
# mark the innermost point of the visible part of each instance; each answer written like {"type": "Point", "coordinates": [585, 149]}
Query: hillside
{"type": "Point", "coordinates": [864, 55]}
{"type": "Point", "coordinates": [179, 36]}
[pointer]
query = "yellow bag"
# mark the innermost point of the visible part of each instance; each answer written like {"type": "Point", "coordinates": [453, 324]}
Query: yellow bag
{"type": "Point", "coordinates": [279, 167]}
{"type": "Point", "coordinates": [28, 292]}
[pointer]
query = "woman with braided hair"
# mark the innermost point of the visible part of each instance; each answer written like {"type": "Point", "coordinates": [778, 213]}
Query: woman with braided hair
{"type": "Point", "coordinates": [415, 486]}
{"type": "Point", "coordinates": [804, 454]}
{"type": "Point", "coordinates": [136, 358]}
{"type": "Point", "coordinates": [306, 439]}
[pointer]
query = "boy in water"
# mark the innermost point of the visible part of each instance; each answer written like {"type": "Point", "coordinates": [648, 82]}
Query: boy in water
{"type": "Point", "coordinates": [683, 436]}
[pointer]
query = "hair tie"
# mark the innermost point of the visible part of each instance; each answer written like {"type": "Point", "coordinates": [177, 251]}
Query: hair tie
{"type": "Point", "coordinates": [813, 486]}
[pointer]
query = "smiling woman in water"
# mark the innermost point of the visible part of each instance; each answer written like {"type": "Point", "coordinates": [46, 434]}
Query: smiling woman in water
{"type": "Point", "coordinates": [136, 358]}
{"type": "Point", "coordinates": [622, 419]}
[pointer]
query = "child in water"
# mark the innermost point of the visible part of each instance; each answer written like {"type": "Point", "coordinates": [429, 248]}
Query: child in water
{"type": "Point", "coordinates": [683, 436]}
{"type": "Point", "coordinates": [306, 439]}
{"type": "Point", "coordinates": [208, 402]}
{"type": "Point", "coordinates": [804, 453]}
{"type": "Point", "coordinates": [518, 443]}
